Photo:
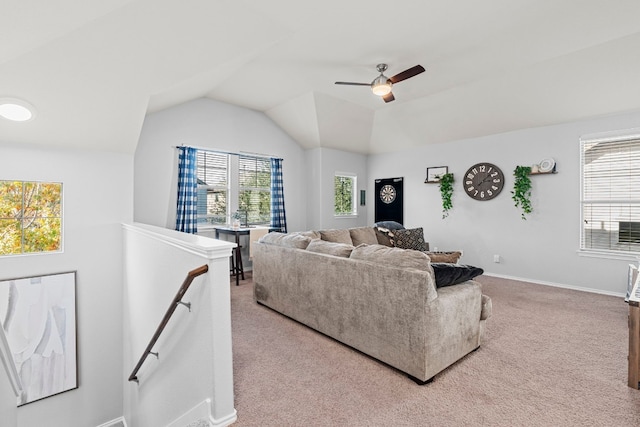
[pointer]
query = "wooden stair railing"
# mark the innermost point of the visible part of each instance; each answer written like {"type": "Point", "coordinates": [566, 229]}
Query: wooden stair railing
{"type": "Point", "coordinates": [176, 300]}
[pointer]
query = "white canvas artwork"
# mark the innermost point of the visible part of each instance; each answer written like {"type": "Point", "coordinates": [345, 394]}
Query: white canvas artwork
{"type": "Point", "coordinates": [38, 316]}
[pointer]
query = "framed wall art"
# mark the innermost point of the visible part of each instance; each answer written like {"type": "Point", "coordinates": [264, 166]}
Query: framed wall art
{"type": "Point", "coordinates": [434, 173]}
{"type": "Point", "coordinates": [38, 322]}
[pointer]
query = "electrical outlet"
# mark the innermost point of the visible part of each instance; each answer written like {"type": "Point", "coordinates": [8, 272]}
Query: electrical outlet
{"type": "Point", "coordinates": [496, 258]}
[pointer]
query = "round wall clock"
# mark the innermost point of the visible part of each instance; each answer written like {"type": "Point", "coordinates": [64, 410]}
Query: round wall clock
{"type": "Point", "coordinates": [387, 193]}
{"type": "Point", "coordinates": [483, 181]}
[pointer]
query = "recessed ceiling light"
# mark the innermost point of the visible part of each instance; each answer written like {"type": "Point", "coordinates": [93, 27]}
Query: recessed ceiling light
{"type": "Point", "coordinates": [16, 110]}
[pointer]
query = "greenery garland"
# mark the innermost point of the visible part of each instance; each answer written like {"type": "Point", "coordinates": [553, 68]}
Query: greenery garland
{"type": "Point", "coordinates": [522, 189]}
{"type": "Point", "coordinates": [446, 191]}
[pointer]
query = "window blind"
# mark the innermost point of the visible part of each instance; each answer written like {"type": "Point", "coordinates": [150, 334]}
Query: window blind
{"type": "Point", "coordinates": [611, 194]}
{"type": "Point", "coordinates": [213, 186]}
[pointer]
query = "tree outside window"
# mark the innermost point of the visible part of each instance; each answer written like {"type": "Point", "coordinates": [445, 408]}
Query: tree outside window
{"type": "Point", "coordinates": [344, 194]}
{"type": "Point", "coordinates": [30, 217]}
{"type": "Point", "coordinates": [254, 196]}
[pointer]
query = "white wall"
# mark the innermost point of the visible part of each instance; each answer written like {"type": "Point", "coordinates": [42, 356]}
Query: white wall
{"type": "Point", "coordinates": [195, 355]}
{"type": "Point", "coordinates": [544, 247]}
{"type": "Point", "coordinates": [8, 412]}
{"type": "Point", "coordinates": [322, 165]}
{"type": "Point", "coordinates": [206, 123]}
{"type": "Point", "coordinates": [97, 196]}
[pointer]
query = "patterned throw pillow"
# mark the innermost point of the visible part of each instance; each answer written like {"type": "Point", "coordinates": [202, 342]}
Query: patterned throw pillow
{"type": "Point", "coordinates": [410, 239]}
{"type": "Point", "coordinates": [384, 236]}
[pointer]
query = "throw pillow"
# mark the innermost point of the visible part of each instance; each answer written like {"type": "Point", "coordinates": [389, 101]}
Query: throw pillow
{"type": "Point", "coordinates": [394, 257]}
{"type": "Point", "coordinates": [337, 236]}
{"type": "Point", "coordinates": [293, 240]}
{"type": "Point", "coordinates": [450, 257]}
{"type": "Point", "coordinates": [330, 248]}
{"type": "Point", "coordinates": [389, 225]}
{"type": "Point", "coordinates": [384, 236]}
{"type": "Point", "coordinates": [410, 239]}
{"type": "Point", "coordinates": [311, 234]}
{"type": "Point", "coordinates": [451, 274]}
{"type": "Point", "coordinates": [364, 235]}
{"type": "Point", "coordinates": [273, 238]}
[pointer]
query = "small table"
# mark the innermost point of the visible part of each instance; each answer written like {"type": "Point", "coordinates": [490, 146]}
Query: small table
{"type": "Point", "coordinates": [236, 258]}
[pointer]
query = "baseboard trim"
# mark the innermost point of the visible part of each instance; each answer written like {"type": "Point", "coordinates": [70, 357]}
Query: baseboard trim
{"type": "Point", "coordinates": [557, 285]}
{"type": "Point", "coordinates": [202, 411]}
{"type": "Point", "coordinates": [116, 422]}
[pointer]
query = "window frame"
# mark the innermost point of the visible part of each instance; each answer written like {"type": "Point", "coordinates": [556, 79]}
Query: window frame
{"type": "Point", "coordinates": [233, 189]}
{"type": "Point", "coordinates": [60, 248]}
{"type": "Point", "coordinates": [267, 189]}
{"type": "Point", "coordinates": [354, 195]}
{"type": "Point", "coordinates": [631, 136]}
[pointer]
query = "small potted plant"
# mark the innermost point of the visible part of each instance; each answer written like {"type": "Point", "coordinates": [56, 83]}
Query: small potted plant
{"type": "Point", "coordinates": [236, 220]}
{"type": "Point", "coordinates": [445, 182]}
{"type": "Point", "coordinates": [521, 193]}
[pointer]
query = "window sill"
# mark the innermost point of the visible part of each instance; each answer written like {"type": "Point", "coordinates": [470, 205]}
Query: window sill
{"type": "Point", "coordinates": [345, 216]}
{"type": "Point", "coordinates": [626, 256]}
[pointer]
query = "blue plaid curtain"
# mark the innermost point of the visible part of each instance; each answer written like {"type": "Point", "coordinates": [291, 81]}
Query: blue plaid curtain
{"type": "Point", "coordinates": [278, 216]}
{"type": "Point", "coordinates": [187, 213]}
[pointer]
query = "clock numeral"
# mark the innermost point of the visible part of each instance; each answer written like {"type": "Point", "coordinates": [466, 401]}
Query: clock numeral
{"type": "Point", "coordinates": [475, 171]}
{"type": "Point", "coordinates": [482, 168]}
{"type": "Point", "coordinates": [489, 192]}
{"type": "Point", "coordinates": [494, 174]}
{"type": "Point", "coordinates": [494, 188]}
{"type": "Point", "coordinates": [470, 189]}
{"type": "Point", "coordinates": [497, 180]}
{"type": "Point", "coordinates": [476, 193]}
{"type": "Point", "coordinates": [470, 176]}
{"type": "Point", "coordinates": [490, 169]}
{"type": "Point", "coordinates": [482, 194]}
{"type": "Point", "coordinates": [469, 182]}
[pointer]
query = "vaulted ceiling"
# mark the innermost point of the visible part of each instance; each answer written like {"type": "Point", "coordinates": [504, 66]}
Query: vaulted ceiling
{"type": "Point", "coordinates": [94, 68]}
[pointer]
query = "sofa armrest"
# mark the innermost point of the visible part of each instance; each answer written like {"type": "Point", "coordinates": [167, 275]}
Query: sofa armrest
{"type": "Point", "coordinates": [454, 324]}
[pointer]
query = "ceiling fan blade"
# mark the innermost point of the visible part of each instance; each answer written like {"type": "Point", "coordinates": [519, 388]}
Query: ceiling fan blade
{"type": "Point", "coordinates": [353, 84]}
{"type": "Point", "coordinates": [388, 97]}
{"type": "Point", "coordinates": [413, 71]}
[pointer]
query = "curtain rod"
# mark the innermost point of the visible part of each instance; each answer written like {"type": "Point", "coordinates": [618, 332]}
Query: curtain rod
{"type": "Point", "coordinates": [241, 153]}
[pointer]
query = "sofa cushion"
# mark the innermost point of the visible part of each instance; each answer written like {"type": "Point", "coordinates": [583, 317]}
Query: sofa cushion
{"type": "Point", "coordinates": [452, 274]}
{"type": "Point", "coordinates": [341, 235]}
{"type": "Point", "coordinates": [366, 235]}
{"type": "Point", "coordinates": [410, 239]}
{"type": "Point", "coordinates": [293, 240]}
{"type": "Point", "coordinates": [394, 257]}
{"type": "Point", "coordinates": [330, 248]}
{"type": "Point", "coordinates": [450, 257]}
{"type": "Point", "coordinates": [384, 236]}
{"type": "Point", "coordinates": [310, 234]}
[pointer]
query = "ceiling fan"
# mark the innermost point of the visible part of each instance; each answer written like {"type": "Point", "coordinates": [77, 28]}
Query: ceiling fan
{"type": "Point", "coordinates": [381, 85]}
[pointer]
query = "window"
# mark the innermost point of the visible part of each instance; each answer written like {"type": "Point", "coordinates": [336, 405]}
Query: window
{"type": "Point", "coordinates": [213, 187]}
{"type": "Point", "coordinates": [230, 183]}
{"type": "Point", "coordinates": [611, 194]}
{"type": "Point", "coordinates": [30, 217]}
{"type": "Point", "coordinates": [254, 178]}
{"type": "Point", "coordinates": [344, 194]}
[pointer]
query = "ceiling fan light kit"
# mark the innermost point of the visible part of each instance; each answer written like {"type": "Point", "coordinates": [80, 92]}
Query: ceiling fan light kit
{"type": "Point", "coordinates": [381, 85]}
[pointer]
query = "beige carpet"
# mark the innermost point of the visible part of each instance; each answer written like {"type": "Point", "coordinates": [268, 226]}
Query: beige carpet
{"type": "Point", "coordinates": [551, 357]}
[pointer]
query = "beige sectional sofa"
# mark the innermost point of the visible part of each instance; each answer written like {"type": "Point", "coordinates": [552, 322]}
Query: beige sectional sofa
{"type": "Point", "coordinates": [380, 300]}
